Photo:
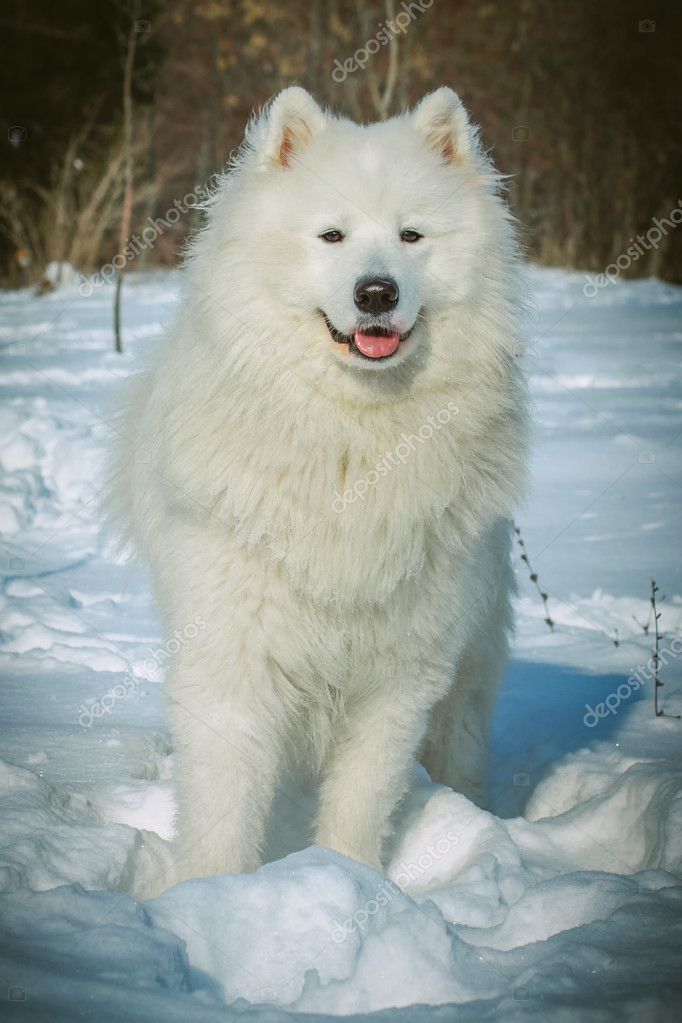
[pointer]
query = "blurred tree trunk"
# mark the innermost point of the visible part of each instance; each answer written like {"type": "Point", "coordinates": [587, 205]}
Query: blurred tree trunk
{"type": "Point", "coordinates": [315, 64]}
{"type": "Point", "coordinates": [381, 94]}
{"type": "Point", "coordinates": [128, 66]}
{"type": "Point", "coordinates": [525, 92]}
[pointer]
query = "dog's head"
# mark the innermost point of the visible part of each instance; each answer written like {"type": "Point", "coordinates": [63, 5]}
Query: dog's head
{"type": "Point", "coordinates": [350, 250]}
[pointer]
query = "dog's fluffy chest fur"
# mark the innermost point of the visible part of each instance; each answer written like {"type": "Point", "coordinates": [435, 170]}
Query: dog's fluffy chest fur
{"type": "Point", "coordinates": [349, 500]}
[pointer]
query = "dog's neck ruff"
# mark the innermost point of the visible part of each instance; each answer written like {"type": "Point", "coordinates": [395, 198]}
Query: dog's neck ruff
{"type": "Point", "coordinates": [348, 500]}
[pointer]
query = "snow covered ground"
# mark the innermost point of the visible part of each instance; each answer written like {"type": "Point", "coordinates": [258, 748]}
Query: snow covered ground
{"type": "Point", "coordinates": [561, 903]}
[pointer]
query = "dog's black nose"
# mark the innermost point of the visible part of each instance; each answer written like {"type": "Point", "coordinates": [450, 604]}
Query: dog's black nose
{"type": "Point", "coordinates": [376, 294]}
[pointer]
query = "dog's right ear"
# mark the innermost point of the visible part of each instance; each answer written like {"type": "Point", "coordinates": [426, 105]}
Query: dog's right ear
{"type": "Point", "coordinates": [286, 128]}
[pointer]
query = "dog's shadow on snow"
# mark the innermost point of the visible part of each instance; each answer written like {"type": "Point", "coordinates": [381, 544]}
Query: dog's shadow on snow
{"type": "Point", "coordinates": [543, 713]}
{"type": "Point", "coordinates": [291, 821]}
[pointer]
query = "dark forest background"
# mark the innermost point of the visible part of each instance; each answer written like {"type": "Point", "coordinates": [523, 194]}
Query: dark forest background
{"type": "Point", "coordinates": [578, 101]}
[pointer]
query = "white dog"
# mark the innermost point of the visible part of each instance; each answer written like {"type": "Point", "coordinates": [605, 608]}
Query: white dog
{"type": "Point", "coordinates": [322, 462]}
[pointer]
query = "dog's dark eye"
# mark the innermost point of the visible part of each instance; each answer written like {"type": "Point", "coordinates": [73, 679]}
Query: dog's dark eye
{"type": "Point", "coordinates": [332, 236]}
{"type": "Point", "coordinates": [410, 236]}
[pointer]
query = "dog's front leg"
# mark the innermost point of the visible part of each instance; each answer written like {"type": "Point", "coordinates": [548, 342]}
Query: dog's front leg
{"type": "Point", "coordinates": [224, 694]}
{"type": "Point", "coordinates": [369, 768]}
{"type": "Point", "coordinates": [227, 762]}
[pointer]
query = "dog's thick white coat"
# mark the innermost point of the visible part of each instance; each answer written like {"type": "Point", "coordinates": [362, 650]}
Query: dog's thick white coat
{"type": "Point", "coordinates": [342, 526]}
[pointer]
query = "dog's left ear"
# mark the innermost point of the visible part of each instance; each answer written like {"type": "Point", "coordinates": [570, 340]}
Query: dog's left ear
{"type": "Point", "coordinates": [288, 126]}
{"type": "Point", "coordinates": [442, 119]}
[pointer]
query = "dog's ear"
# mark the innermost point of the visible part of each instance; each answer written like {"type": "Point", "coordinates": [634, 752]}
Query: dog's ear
{"type": "Point", "coordinates": [287, 127]}
{"type": "Point", "coordinates": [442, 119]}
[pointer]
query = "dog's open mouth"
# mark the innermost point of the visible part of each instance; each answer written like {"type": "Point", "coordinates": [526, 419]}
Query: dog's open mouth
{"type": "Point", "coordinates": [374, 342]}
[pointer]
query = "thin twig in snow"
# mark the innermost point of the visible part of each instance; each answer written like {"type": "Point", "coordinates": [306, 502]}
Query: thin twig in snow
{"type": "Point", "coordinates": [655, 614]}
{"type": "Point", "coordinates": [534, 577]}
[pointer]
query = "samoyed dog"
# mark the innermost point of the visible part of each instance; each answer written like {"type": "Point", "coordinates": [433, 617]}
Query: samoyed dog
{"type": "Point", "coordinates": [321, 462]}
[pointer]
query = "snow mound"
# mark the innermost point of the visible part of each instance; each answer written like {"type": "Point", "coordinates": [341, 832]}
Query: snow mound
{"type": "Point", "coordinates": [51, 836]}
{"type": "Point", "coordinates": [317, 932]}
{"type": "Point", "coordinates": [339, 937]}
{"type": "Point", "coordinates": [60, 274]}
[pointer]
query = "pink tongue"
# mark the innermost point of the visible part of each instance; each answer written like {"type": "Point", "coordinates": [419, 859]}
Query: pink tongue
{"type": "Point", "coordinates": [375, 347]}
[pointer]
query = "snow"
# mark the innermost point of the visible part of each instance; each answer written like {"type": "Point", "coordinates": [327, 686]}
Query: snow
{"type": "Point", "coordinates": [561, 900]}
